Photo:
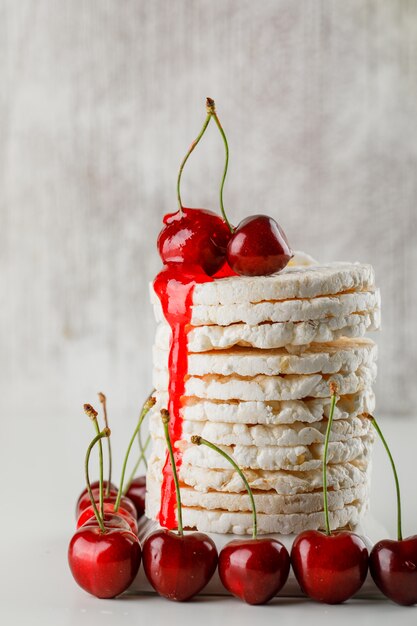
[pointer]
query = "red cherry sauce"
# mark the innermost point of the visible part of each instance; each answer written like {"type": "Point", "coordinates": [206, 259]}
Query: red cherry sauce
{"type": "Point", "coordinates": [175, 287]}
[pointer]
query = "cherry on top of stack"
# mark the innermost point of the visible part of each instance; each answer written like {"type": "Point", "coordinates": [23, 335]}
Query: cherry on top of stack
{"type": "Point", "coordinates": [247, 345]}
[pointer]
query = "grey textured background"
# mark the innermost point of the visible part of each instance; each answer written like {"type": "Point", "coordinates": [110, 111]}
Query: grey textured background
{"type": "Point", "coordinates": [99, 100]}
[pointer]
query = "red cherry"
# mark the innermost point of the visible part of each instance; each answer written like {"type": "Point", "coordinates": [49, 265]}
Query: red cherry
{"type": "Point", "coordinates": [88, 513]}
{"type": "Point", "coordinates": [124, 501]}
{"type": "Point", "coordinates": [254, 569]}
{"type": "Point", "coordinates": [110, 520]}
{"type": "Point", "coordinates": [194, 238]}
{"type": "Point", "coordinates": [84, 500]}
{"type": "Point", "coordinates": [393, 566]}
{"type": "Point", "coordinates": [179, 566]}
{"type": "Point", "coordinates": [329, 568]}
{"type": "Point", "coordinates": [137, 493]}
{"type": "Point", "coordinates": [104, 564]}
{"type": "Point", "coordinates": [258, 247]}
{"type": "Point", "coordinates": [95, 485]}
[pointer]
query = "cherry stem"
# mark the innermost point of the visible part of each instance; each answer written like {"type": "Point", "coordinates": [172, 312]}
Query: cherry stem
{"type": "Point", "coordinates": [100, 517]}
{"type": "Point", "coordinates": [142, 449]}
{"type": "Point", "coordinates": [145, 409]}
{"type": "Point", "coordinates": [200, 441]}
{"type": "Point", "coordinates": [103, 401]}
{"type": "Point", "coordinates": [92, 414]}
{"type": "Point", "coordinates": [212, 107]}
{"type": "Point", "coordinates": [165, 422]}
{"type": "Point", "coordinates": [333, 390]}
{"type": "Point", "coordinates": [185, 159]}
{"type": "Point", "coordinates": [138, 462]}
{"type": "Point", "coordinates": [394, 470]}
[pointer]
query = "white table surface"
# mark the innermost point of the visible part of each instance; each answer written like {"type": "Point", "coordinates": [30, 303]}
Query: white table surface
{"type": "Point", "coordinates": [41, 464]}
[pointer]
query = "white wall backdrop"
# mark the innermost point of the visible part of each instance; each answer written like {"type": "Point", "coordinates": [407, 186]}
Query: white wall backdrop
{"type": "Point", "coordinates": [100, 99]}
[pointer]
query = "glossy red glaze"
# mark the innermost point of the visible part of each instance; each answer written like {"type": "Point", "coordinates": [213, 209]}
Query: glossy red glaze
{"type": "Point", "coordinates": [88, 513]}
{"type": "Point", "coordinates": [105, 565]}
{"type": "Point", "coordinates": [137, 493]}
{"type": "Point", "coordinates": [111, 520]}
{"type": "Point", "coordinates": [258, 247]}
{"type": "Point", "coordinates": [84, 500]}
{"type": "Point", "coordinates": [393, 566]}
{"type": "Point", "coordinates": [198, 238]}
{"type": "Point", "coordinates": [174, 287]}
{"type": "Point", "coordinates": [179, 567]}
{"type": "Point", "coordinates": [329, 568]}
{"type": "Point", "coordinates": [254, 569]}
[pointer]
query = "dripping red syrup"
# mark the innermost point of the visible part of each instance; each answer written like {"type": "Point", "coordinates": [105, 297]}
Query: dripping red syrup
{"type": "Point", "coordinates": [174, 286]}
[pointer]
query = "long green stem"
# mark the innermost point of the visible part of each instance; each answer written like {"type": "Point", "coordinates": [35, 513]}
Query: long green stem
{"type": "Point", "coordinates": [142, 449]}
{"type": "Point", "coordinates": [103, 401]}
{"type": "Point", "coordinates": [146, 407]}
{"type": "Point", "coordinates": [138, 462]}
{"type": "Point", "coordinates": [185, 159]}
{"type": "Point", "coordinates": [99, 516]}
{"type": "Point", "coordinates": [200, 441]}
{"type": "Point", "coordinates": [326, 447]}
{"type": "Point", "coordinates": [165, 421]}
{"type": "Point", "coordinates": [397, 483]}
{"type": "Point", "coordinates": [210, 103]}
{"type": "Point", "coordinates": [92, 414]}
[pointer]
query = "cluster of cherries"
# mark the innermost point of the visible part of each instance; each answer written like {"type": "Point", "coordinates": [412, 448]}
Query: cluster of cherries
{"type": "Point", "coordinates": [206, 244]}
{"type": "Point", "coordinates": [105, 554]}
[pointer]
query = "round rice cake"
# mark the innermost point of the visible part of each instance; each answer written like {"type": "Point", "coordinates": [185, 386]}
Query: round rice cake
{"type": "Point", "coordinates": [290, 283]}
{"type": "Point", "coordinates": [295, 458]}
{"type": "Point", "coordinates": [343, 355]}
{"type": "Point", "coordinates": [273, 335]}
{"type": "Point", "coordinates": [239, 523]}
{"type": "Point", "coordinates": [307, 410]}
{"type": "Point", "coordinates": [269, 503]}
{"type": "Point", "coordinates": [266, 388]}
{"type": "Point", "coordinates": [266, 435]}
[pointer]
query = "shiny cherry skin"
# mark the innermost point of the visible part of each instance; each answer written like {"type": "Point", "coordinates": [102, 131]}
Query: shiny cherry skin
{"type": "Point", "coordinates": [254, 569]}
{"type": "Point", "coordinates": [84, 500]}
{"type": "Point", "coordinates": [125, 502]}
{"type": "Point", "coordinates": [137, 493]}
{"type": "Point", "coordinates": [179, 566]}
{"type": "Point", "coordinates": [197, 238]}
{"type": "Point", "coordinates": [95, 485]}
{"type": "Point", "coordinates": [110, 520]}
{"type": "Point", "coordinates": [329, 568]}
{"type": "Point", "coordinates": [393, 566]}
{"type": "Point", "coordinates": [258, 247]}
{"type": "Point", "coordinates": [108, 507]}
{"type": "Point", "coordinates": [104, 564]}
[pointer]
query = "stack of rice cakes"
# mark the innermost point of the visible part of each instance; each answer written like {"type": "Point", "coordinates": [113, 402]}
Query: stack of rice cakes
{"type": "Point", "coordinates": [262, 351]}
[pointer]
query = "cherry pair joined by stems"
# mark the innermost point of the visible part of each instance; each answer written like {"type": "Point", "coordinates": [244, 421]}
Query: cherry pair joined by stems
{"type": "Point", "coordinates": [393, 564]}
{"type": "Point", "coordinates": [256, 569]}
{"type": "Point", "coordinates": [178, 565]}
{"type": "Point", "coordinates": [330, 567]}
{"type": "Point", "coordinates": [201, 241]}
{"type": "Point", "coordinates": [104, 559]}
